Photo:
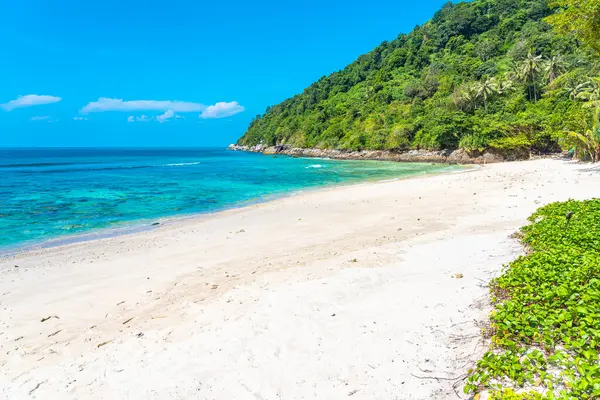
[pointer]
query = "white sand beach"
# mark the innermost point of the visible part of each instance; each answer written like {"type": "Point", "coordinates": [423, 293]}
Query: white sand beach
{"type": "Point", "coordinates": [349, 292]}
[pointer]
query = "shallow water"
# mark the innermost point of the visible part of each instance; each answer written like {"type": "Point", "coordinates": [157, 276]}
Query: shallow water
{"type": "Point", "coordinates": [49, 193]}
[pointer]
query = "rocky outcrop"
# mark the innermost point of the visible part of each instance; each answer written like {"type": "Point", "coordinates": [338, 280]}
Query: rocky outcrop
{"type": "Point", "coordinates": [443, 156]}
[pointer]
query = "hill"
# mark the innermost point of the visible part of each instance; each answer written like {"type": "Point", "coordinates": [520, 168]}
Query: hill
{"type": "Point", "coordinates": [487, 74]}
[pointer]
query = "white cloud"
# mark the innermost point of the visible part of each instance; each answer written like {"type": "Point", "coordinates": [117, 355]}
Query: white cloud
{"type": "Point", "coordinates": [40, 118]}
{"type": "Point", "coordinates": [141, 118]}
{"type": "Point", "coordinates": [170, 108]}
{"type": "Point", "coordinates": [29, 100]}
{"type": "Point", "coordinates": [166, 116]}
{"type": "Point", "coordinates": [79, 119]}
{"type": "Point", "coordinates": [158, 118]}
{"type": "Point", "coordinates": [221, 110]}
{"type": "Point", "coordinates": [218, 110]}
{"type": "Point", "coordinates": [108, 104]}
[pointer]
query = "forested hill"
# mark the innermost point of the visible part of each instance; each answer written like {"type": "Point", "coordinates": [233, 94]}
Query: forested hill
{"type": "Point", "coordinates": [480, 74]}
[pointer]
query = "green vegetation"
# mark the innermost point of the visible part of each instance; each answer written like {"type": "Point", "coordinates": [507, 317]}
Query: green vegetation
{"type": "Point", "coordinates": [545, 328]}
{"type": "Point", "coordinates": [588, 141]}
{"type": "Point", "coordinates": [486, 74]}
{"type": "Point", "coordinates": [579, 17]}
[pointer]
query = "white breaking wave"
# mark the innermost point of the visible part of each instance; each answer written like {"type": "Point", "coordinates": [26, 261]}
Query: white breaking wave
{"type": "Point", "coordinates": [182, 164]}
{"type": "Point", "coordinates": [315, 166]}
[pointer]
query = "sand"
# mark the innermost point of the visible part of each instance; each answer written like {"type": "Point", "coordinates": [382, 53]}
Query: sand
{"type": "Point", "coordinates": [336, 293]}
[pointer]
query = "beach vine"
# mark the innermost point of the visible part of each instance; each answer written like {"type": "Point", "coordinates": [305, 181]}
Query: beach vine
{"type": "Point", "coordinates": [545, 326]}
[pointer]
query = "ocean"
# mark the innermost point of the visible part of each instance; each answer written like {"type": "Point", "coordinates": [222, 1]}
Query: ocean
{"type": "Point", "coordinates": [64, 194]}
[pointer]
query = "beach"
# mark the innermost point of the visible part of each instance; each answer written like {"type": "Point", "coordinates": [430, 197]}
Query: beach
{"type": "Point", "coordinates": [370, 291]}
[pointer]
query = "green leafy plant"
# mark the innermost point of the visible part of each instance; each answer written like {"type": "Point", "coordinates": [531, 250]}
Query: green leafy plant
{"type": "Point", "coordinates": [588, 140]}
{"type": "Point", "coordinates": [578, 17]}
{"type": "Point", "coordinates": [545, 327]}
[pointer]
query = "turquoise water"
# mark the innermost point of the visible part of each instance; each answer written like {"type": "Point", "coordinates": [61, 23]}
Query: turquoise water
{"type": "Point", "coordinates": [49, 193]}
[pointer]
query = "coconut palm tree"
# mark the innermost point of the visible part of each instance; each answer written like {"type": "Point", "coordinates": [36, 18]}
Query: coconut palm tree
{"type": "Point", "coordinates": [503, 85]}
{"type": "Point", "coordinates": [588, 140]}
{"type": "Point", "coordinates": [485, 89]}
{"type": "Point", "coordinates": [466, 97]}
{"type": "Point", "coordinates": [530, 68]}
{"type": "Point", "coordinates": [591, 93]}
{"type": "Point", "coordinates": [574, 90]}
{"type": "Point", "coordinates": [554, 67]}
{"type": "Point", "coordinates": [514, 74]}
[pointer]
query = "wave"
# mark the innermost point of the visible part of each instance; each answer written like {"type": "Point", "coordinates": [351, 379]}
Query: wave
{"type": "Point", "coordinates": [181, 164]}
{"type": "Point", "coordinates": [315, 166]}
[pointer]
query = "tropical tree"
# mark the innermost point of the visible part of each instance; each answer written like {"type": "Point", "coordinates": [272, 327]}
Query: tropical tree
{"type": "Point", "coordinates": [514, 74]}
{"type": "Point", "coordinates": [578, 17]}
{"type": "Point", "coordinates": [591, 93]}
{"type": "Point", "coordinates": [574, 90]}
{"type": "Point", "coordinates": [466, 97]}
{"type": "Point", "coordinates": [503, 85]}
{"type": "Point", "coordinates": [530, 68]}
{"type": "Point", "coordinates": [554, 67]}
{"type": "Point", "coordinates": [588, 141]}
{"type": "Point", "coordinates": [486, 89]}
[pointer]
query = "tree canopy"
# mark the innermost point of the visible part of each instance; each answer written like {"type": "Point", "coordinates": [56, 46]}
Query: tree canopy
{"type": "Point", "coordinates": [578, 17]}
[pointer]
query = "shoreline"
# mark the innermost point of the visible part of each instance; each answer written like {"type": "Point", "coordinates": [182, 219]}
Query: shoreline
{"type": "Point", "coordinates": [135, 226]}
{"type": "Point", "coordinates": [441, 156]}
{"type": "Point", "coordinates": [350, 289]}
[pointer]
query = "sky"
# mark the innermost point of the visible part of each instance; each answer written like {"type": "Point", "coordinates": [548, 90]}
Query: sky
{"type": "Point", "coordinates": [182, 73]}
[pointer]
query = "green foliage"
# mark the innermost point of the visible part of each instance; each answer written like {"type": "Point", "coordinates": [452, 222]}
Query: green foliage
{"type": "Point", "coordinates": [585, 142]}
{"type": "Point", "coordinates": [510, 143]}
{"type": "Point", "coordinates": [545, 328]}
{"type": "Point", "coordinates": [578, 17]}
{"type": "Point", "coordinates": [439, 86]}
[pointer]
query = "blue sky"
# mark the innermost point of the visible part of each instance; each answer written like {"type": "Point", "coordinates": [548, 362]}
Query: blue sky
{"type": "Point", "coordinates": [178, 73]}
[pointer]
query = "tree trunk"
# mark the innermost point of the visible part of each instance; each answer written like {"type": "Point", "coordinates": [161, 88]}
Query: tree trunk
{"type": "Point", "coordinates": [534, 93]}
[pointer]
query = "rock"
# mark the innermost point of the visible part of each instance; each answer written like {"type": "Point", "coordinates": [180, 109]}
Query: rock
{"type": "Point", "coordinates": [459, 156]}
{"type": "Point", "coordinates": [489, 158]}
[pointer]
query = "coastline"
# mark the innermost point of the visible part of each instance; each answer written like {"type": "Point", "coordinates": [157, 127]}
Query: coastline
{"type": "Point", "coordinates": [349, 289]}
{"type": "Point", "coordinates": [147, 224]}
{"type": "Point", "coordinates": [441, 156]}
